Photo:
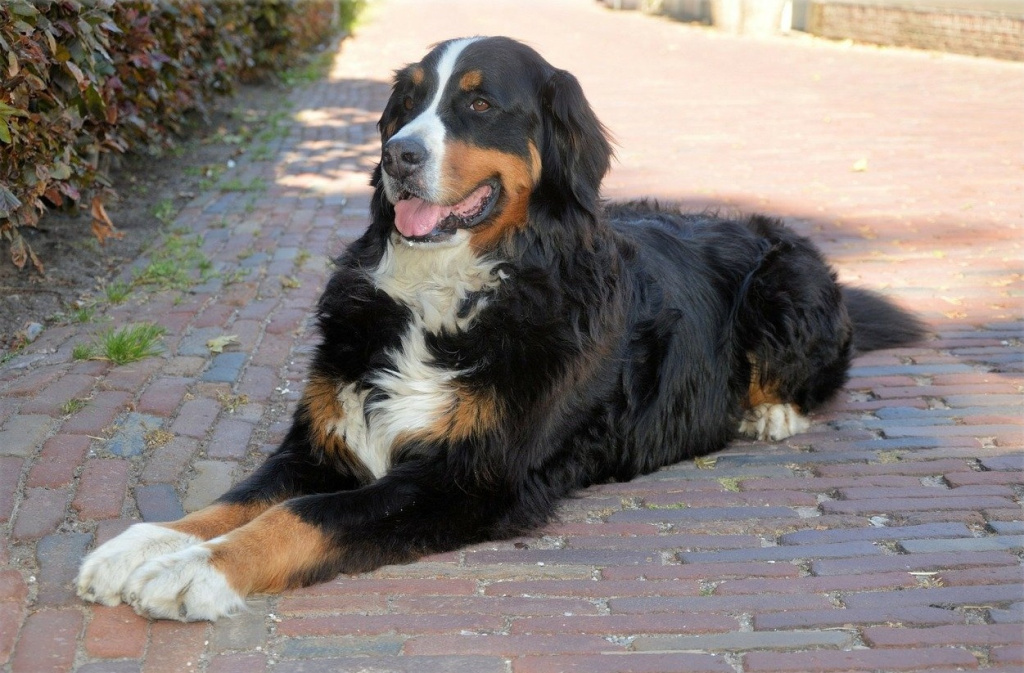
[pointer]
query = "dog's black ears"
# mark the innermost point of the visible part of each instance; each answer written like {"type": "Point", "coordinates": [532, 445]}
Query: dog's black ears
{"type": "Point", "coordinates": [576, 152]}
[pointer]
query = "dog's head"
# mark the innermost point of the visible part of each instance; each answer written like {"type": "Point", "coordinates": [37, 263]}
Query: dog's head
{"type": "Point", "coordinates": [477, 133]}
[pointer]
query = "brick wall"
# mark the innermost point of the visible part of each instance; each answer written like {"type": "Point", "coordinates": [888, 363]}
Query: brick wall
{"type": "Point", "coordinates": [976, 33]}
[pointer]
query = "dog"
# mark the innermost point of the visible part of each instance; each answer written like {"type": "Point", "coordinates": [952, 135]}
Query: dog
{"type": "Point", "coordinates": [499, 338]}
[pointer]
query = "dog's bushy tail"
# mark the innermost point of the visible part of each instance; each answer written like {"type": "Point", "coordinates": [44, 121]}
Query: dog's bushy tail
{"type": "Point", "coordinates": [878, 323]}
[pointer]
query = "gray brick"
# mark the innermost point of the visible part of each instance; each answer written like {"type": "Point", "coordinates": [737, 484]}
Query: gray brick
{"type": "Point", "coordinates": [1011, 615]}
{"type": "Point", "coordinates": [110, 667]}
{"type": "Point", "coordinates": [931, 530]}
{"type": "Point", "coordinates": [703, 514]}
{"type": "Point", "coordinates": [783, 553]}
{"type": "Point", "coordinates": [991, 543]}
{"type": "Point", "coordinates": [225, 368]}
{"type": "Point", "coordinates": [245, 631]}
{"type": "Point", "coordinates": [908, 616]}
{"type": "Point", "coordinates": [342, 646]}
{"type": "Point", "coordinates": [908, 562]}
{"type": "Point", "coordinates": [743, 603]}
{"type": "Point", "coordinates": [745, 640]}
{"type": "Point", "coordinates": [1013, 462]}
{"type": "Point", "coordinates": [59, 556]}
{"type": "Point", "coordinates": [213, 478]}
{"type": "Point", "coordinates": [404, 664]}
{"type": "Point", "coordinates": [158, 502]}
{"type": "Point", "coordinates": [1008, 527]}
{"type": "Point", "coordinates": [195, 342]}
{"type": "Point", "coordinates": [937, 596]}
{"type": "Point", "coordinates": [130, 437]}
{"type": "Point", "coordinates": [23, 434]}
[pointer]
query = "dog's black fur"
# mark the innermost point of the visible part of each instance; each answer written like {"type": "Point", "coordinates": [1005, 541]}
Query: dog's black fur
{"type": "Point", "coordinates": [614, 340]}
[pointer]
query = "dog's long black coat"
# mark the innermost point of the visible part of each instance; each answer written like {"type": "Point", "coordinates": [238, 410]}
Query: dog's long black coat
{"type": "Point", "coordinates": [622, 341]}
{"type": "Point", "coordinates": [603, 342]}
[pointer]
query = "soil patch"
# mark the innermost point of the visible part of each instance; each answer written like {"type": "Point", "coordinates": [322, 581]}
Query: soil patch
{"type": "Point", "coordinates": [151, 190]}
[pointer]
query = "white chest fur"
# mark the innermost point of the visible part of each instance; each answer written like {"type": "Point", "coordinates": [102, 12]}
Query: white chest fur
{"type": "Point", "coordinates": [414, 393]}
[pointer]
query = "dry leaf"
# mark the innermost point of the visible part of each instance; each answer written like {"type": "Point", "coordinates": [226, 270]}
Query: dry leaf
{"type": "Point", "coordinates": [102, 227]}
{"type": "Point", "coordinates": [860, 165]}
{"type": "Point", "coordinates": [217, 344]}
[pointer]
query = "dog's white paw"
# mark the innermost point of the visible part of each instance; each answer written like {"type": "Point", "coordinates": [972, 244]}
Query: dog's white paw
{"type": "Point", "coordinates": [773, 422]}
{"type": "Point", "coordinates": [183, 586]}
{"type": "Point", "coordinates": [103, 573]}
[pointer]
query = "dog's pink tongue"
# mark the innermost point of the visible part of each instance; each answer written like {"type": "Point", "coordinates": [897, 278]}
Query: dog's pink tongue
{"type": "Point", "coordinates": [415, 217]}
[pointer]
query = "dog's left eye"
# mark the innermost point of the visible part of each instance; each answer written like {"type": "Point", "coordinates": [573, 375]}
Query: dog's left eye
{"type": "Point", "coordinates": [407, 102]}
{"type": "Point", "coordinates": [479, 105]}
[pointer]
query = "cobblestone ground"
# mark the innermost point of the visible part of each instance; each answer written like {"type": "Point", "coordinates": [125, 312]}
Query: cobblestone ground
{"type": "Point", "coordinates": [889, 538]}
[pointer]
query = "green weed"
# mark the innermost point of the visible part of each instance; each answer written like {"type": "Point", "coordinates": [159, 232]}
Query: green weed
{"type": "Point", "coordinates": [131, 343]}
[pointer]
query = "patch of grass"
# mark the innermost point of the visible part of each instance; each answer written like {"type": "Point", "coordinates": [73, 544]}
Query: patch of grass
{"type": "Point", "coordinates": [73, 405]}
{"type": "Point", "coordinates": [117, 292]}
{"type": "Point", "coordinates": [83, 352]}
{"type": "Point", "coordinates": [731, 483]}
{"type": "Point", "coordinates": [262, 153]}
{"type": "Point", "coordinates": [302, 256]}
{"type": "Point", "coordinates": [131, 343]}
{"type": "Point", "coordinates": [165, 211]}
{"type": "Point", "coordinates": [82, 314]}
{"type": "Point", "coordinates": [236, 185]}
{"type": "Point", "coordinates": [674, 505]}
{"type": "Point", "coordinates": [313, 70]}
{"type": "Point", "coordinates": [175, 264]}
{"type": "Point", "coordinates": [290, 282]}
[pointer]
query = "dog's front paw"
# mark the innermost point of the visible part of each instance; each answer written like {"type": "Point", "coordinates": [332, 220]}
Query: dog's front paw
{"type": "Point", "coordinates": [105, 571]}
{"type": "Point", "coordinates": [184, 586]}
{"type": "Point", "coordinates": [773, 422]}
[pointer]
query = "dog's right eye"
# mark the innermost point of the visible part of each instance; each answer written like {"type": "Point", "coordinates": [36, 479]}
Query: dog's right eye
{"type": "Point", "coordinates": [407, 102]}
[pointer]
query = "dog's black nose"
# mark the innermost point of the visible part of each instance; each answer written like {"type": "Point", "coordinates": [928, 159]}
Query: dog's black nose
{"type": "Point", "coordinates": [403, 156]}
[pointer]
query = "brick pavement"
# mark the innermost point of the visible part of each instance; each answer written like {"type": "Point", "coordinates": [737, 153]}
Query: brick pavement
{"type": "Point", "coordinates": [888, 538]}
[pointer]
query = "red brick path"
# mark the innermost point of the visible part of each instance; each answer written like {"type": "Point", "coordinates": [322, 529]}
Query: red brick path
{"type": "Point", "coordinates": [888, 538]}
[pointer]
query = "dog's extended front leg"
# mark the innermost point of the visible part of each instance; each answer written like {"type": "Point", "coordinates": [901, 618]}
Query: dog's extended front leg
{"type": "Point", "coordinates": [313, 538]}
{"type": "Point", "coordinates": [292, 470]}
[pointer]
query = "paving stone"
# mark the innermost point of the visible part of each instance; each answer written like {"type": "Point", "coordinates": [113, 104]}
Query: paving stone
{"type": "Point", "coordinates": [59, 556]}
{"type": "Point", "coordinates": [104, 407]}
{"type": "Point", "coordinates": [40, 513]}
{"type": "Point", "coordinates": [245, 631]}
{"type": "Point", "coordinates": [746, 640]}
{"type": "Point", "coordinates": [116, 633]}
{"type": "Point", "coordinates": [230, 439]}
{"type": "Point", "coordinates": [935, 530]}
{"type": "Point", "coordinates": [226, 367]}
{"type": "Point", "coordinates": [158, 502]}
{"type": "Point", "coordinates": [110, 667]}
{"type": "Point", "coordinates": [47, 642]}
{"type": "Point", "coordinates": [912, 562]}
{"type": "Point", "coordinates": [1011, 615]}
{"type": "Point", "coordinates": [22, 434]}
{"type": "Point", "coordinates": [934, 596]}
{"type": "Point", "coordinates": [237, 663]}
{"type": "Point", "coordinates": [783, 553]}
{"type": "Point", "coordinates": [916, 659]}
{"type": "Point", "coordinates": [50, 400]}
{"type": "Point", "coordinates": [60, 457]}
{"type": "Point", "coordinates": [196, 417]}
{"type": "Point", "coordinates": [989, 543]}
{"type": "Point", "coordinates": [406, 664]}
{"type": "Point", "coordinates": [701, 514]}
{"type": "Point", "coordinates": [169, 461]}
{"type": "Point", "coordinates": [622, 663]}
{"type": "Point", "coordinates": [101, 489]}
{"type": "Point", "coordinates": [342, 646]}
{"type": "Point", "coordinates": [961, 634]}
{"type": "Point", "coordinates": [213, 478]}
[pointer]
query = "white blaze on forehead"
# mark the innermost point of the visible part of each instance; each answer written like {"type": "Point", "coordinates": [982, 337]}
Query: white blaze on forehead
{"type": "Point", "coordinates": [427, 126]}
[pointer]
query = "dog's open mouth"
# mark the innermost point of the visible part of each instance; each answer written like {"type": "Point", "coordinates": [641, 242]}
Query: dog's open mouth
{"type": "Point", "coordinates": [419, 220]}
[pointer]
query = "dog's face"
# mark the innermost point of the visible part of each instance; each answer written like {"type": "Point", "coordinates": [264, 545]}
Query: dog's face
{"type": "Point", "coordinates": [467, 137]}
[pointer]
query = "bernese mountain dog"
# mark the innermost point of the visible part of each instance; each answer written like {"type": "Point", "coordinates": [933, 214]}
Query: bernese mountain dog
{"type": "Point", "coordinates": [499, 338]}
